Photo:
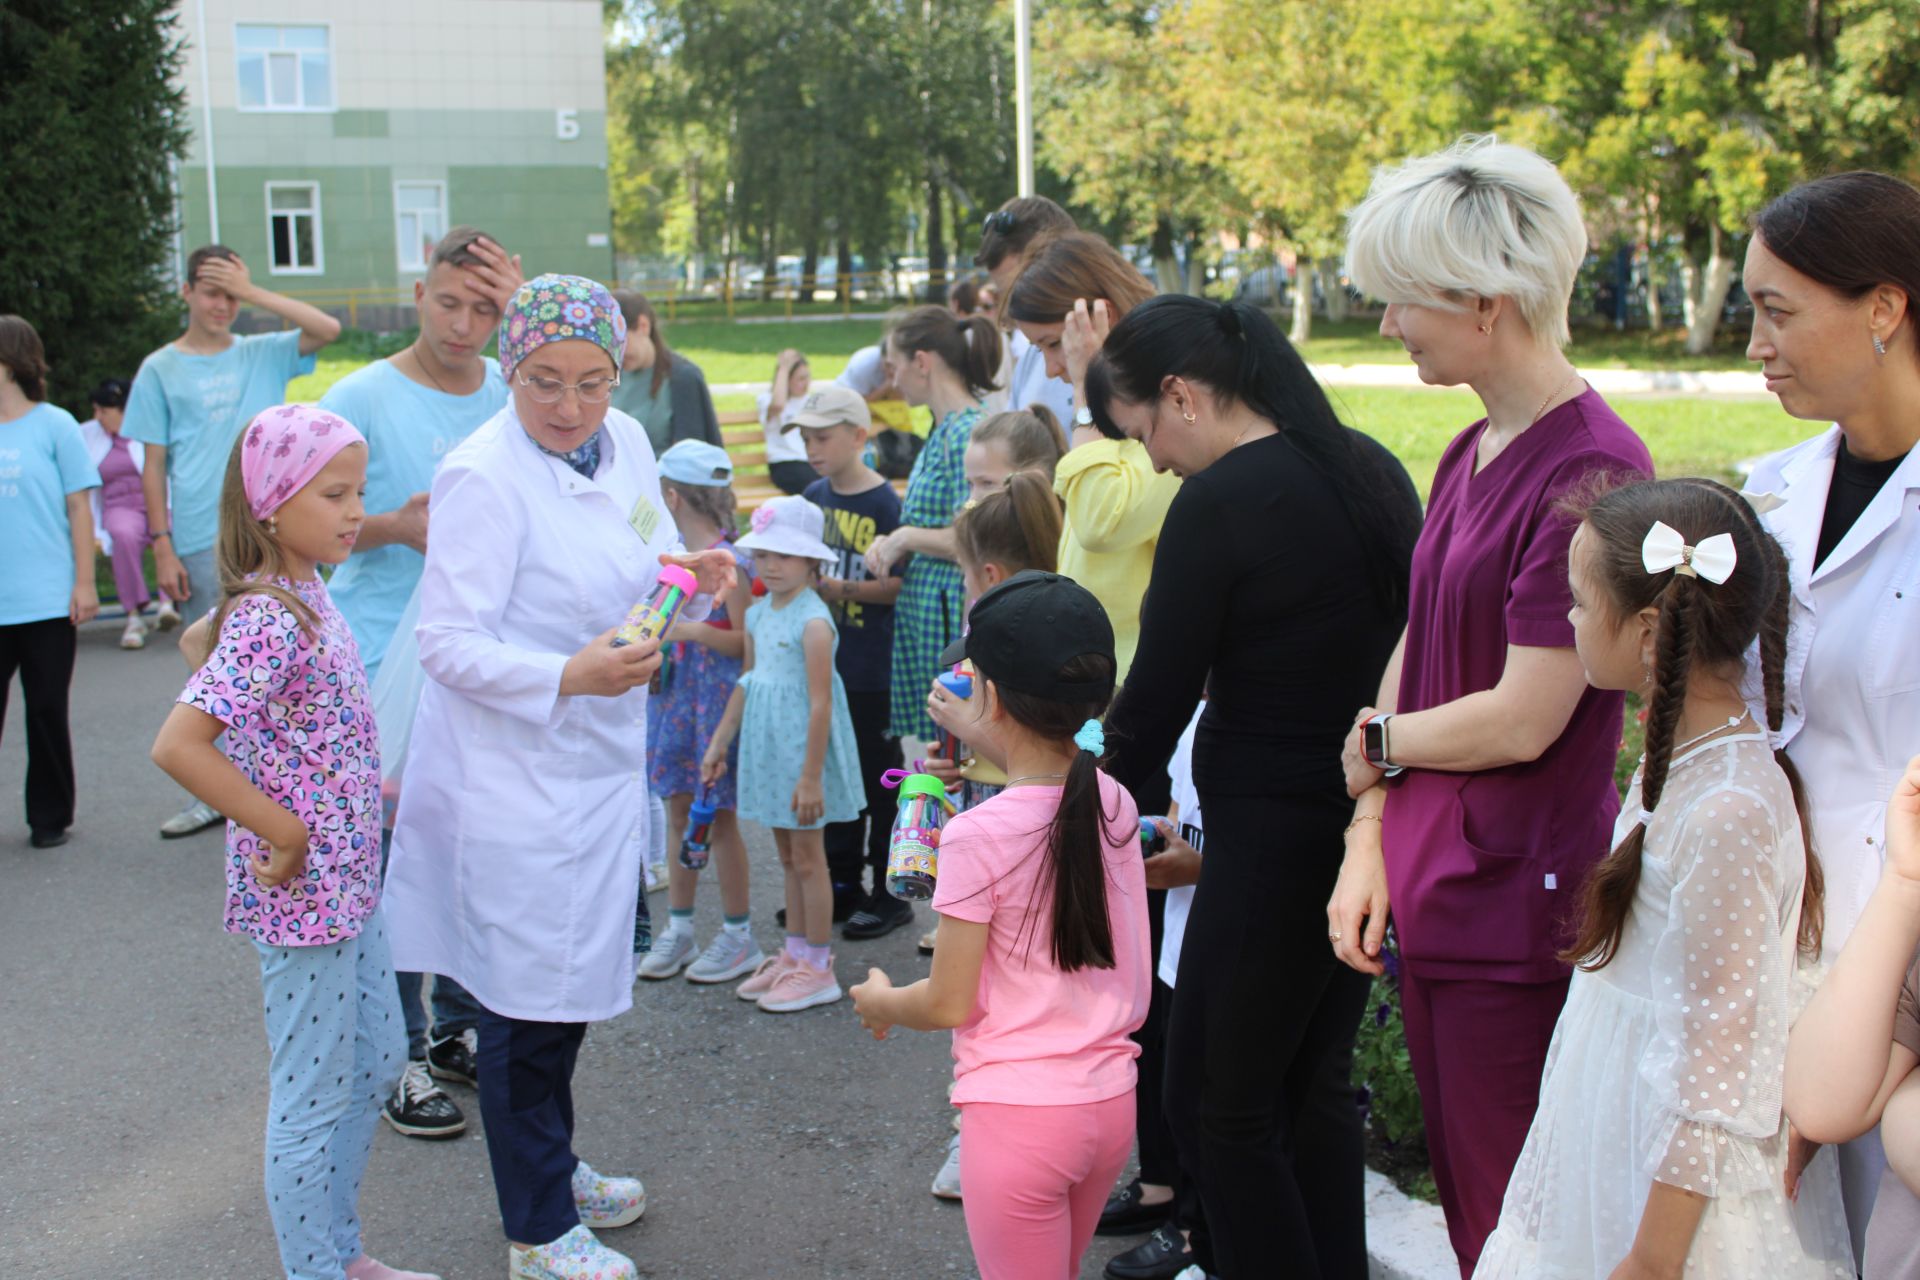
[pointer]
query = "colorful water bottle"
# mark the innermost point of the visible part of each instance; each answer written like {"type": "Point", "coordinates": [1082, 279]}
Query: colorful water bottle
{"type": "Point", "coordinates": [695, 845]}
{"type": "Point", "coordinates": [650, 618]}
{"type": "Point", "coordinates": [960, 685]}
{"type": "Point", "coordinates": [1152, 839]}
{"type": "Point", "coordinates": [913, 856]}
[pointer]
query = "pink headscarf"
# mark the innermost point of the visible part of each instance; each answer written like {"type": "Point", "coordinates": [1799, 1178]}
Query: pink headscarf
{"type": "Point", "coordinates": [286, 447]}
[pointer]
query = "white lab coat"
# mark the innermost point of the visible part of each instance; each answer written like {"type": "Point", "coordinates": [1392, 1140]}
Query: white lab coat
{"type": "Point", "coordinates": [1852, 714]}
{"type": "Point", "coordinates": [517, 845]}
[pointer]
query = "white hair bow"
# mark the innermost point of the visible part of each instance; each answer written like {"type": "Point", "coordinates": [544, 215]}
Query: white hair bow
{"type": "Point", "coordinates": [1665, 549]}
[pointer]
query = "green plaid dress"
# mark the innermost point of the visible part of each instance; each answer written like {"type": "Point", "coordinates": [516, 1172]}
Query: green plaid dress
{"type": "Point", "coordinates": [932, 604]}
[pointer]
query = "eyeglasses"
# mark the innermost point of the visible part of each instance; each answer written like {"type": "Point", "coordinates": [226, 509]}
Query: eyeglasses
{"type": "Point", "coordinates": [552, 390]}
{"type": "Point", "coordinates": [999, 222]}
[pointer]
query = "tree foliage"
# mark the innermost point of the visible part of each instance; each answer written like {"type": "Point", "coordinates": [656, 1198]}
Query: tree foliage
{"type": "Point", "coordinates": [89, 132]}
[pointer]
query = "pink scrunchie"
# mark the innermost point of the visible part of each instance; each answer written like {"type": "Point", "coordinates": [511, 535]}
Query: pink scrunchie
{"type": "Point", "coordinates": [286, 446]}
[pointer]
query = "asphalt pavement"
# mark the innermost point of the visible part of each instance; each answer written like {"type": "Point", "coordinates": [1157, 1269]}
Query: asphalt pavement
{"type": "Point", "coordinates": [133, 1071]}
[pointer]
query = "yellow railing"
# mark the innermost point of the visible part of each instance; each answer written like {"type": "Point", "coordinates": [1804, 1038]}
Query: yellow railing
{"type": "Point", "coordinates": [670, 294]}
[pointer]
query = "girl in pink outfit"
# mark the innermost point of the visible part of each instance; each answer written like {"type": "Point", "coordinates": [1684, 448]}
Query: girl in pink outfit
{"type": "Point", "coordinates": [1041, 963]}
{"type": "Point", "coordinates": [120, 509]}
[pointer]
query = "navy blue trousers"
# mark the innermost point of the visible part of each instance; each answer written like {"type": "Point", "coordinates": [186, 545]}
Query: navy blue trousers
{"type": "Point", "coordinates": [526, 1100]}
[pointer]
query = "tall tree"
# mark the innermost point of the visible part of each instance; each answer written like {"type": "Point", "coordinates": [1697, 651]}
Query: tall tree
{"type": "Point", "coordinates": [90, 129]}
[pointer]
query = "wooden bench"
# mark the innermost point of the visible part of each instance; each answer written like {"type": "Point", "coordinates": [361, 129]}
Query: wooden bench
{"type": "Point", "coordinates": [752, 485]}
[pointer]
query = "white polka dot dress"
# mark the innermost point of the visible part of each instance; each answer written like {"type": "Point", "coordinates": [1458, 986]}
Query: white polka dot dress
{"type": "Point", "coordinates": [1668, 1063]}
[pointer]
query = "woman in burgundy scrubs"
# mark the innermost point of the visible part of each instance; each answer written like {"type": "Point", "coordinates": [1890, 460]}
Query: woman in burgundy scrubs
{"type": "Point", "coordinates": [1486, 791]}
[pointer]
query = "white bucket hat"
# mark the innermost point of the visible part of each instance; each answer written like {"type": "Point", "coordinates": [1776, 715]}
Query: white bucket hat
{"type": "Point", "coordinates": [789, 526]}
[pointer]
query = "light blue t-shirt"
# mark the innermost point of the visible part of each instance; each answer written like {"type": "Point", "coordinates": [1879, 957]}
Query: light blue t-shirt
{"type": "Point", "coordinates": [409, 428]}
{"type": "Point", "coordinates": [42, 460]}
{"type": "Point", "coordinates": [195, 406]}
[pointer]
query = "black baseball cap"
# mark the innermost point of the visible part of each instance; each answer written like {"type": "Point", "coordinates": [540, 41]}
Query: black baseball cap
{"type": "Point", "coordinates": [1024, 631]}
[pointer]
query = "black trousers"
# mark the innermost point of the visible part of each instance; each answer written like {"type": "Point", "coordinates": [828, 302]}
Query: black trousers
{"type": "Point", "coordinates": [853, 846]}
{"type": "Point", "coordinates": [792, 477]}
{"type": "Point", "coordinates": [42, 652]}
{"type": "Point", "coordinates": [526, 1100]}
{"type": "Point", "coordinates": [1260, 1047]}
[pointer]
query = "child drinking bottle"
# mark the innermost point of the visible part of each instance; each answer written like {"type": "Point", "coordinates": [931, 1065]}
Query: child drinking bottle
{"type": "Point", "coordinates": [698, 841]}
{"type": "Point", "coordinates": [913, 857]}
{"type": "Point", "coordinates": [960, 685]}
{"type": "Point", "coordinates": [650, 619]}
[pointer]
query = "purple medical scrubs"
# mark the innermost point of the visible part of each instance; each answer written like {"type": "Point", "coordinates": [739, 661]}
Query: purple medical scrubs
{"type": "Point", "coordinates": [1483, 869]}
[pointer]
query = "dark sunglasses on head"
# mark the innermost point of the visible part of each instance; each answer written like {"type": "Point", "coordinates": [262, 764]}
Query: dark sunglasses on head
{"type": "Point", "coordinates": [999, 222]}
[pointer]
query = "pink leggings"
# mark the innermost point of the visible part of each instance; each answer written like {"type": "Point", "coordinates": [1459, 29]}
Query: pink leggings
{"type": "Point", "coordinates": [127, 526]}
{"type": "Point", "coordinates": [1035, 1179]}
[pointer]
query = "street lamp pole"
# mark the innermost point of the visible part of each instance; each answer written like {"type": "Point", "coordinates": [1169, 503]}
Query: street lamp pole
{"type": "Point", "coordinates": [1023, 91]}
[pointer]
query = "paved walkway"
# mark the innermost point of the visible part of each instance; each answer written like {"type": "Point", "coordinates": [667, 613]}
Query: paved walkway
{"type": "Point", "coordinates": [132, 1076]}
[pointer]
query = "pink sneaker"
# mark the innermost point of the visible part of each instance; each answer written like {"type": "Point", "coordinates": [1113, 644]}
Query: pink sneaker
{"type": "Point", "coordinates": [801, 987]}
{"type": "Point", "coordinates": [365, 1268]}
{"type": "Point", "coordinates": [765, 976]}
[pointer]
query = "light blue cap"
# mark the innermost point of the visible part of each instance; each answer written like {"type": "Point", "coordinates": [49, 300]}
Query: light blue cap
{"type": "Point", "coordinates": [697, 462]}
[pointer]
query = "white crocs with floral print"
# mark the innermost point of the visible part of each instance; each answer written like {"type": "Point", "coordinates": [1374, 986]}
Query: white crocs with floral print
{"type": "Point", "coordinates": [576, 1255]}
{"type": "Point", "coordinates": [604, 1201]}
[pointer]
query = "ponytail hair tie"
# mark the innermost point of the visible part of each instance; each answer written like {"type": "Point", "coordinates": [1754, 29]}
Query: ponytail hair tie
{"type": "Point", "coordinates": [1646, 817]}
{"type": "Point", "coordinates": [1091, 738]}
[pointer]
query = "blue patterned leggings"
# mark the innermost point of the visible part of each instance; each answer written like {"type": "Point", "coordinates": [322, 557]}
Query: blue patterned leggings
{"type": "Point", "coordinates": [334, 1027]}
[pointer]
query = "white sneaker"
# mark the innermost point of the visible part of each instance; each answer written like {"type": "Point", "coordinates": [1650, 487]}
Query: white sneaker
{"type": "Point", "coordinates": [656, 876]}
{"type": "Point", "coordinates": [197, 816]}
{"type": "Point", "coordinates": [576, 1255]}
{"type": "Point", "coordinates": [730, 955]}
{"type": "Point", "coordinates": [168, 618]}
{"type": "Point", "coordinates": [604, 1201]}
{"type": "Point", "coordinates": [135, 635]}
{"type": "Point", "coordinates": [672, 951]}
{"type": "Point", "coordinates": [946, 1183]}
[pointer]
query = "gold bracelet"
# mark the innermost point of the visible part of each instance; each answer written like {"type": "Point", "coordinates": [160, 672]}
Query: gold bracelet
{"type": "Point", "coordinates": [1359, 818]}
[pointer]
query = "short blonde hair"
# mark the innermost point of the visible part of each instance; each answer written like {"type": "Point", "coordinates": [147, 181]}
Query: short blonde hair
{"type": "Point", "coordinates": [1482, 219]}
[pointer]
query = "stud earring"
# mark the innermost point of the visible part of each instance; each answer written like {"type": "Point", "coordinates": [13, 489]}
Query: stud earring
{"type": "Point", "coordinates": [1487, 329]}
{"type": "Point", "coordinates": [273, 525]}
{"type": "Point", "coordinates": [1879, 347]}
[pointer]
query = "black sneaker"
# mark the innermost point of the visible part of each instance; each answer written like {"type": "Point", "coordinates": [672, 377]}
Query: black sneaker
{"type": "Point", "coordinates": [419, 1108]}
{"type": "Point", "coordinates": [1126, 1216]}
{"type": "Point", "coordinates": [879, 916]}
{"type": "Point", "coordinates": [453, 1059]}
{"type": "Point", "coordinates": [1161, 1256]}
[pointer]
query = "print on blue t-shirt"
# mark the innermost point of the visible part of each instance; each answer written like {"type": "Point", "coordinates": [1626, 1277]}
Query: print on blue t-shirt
{"type": "Point", "coordinates": [409, 428]}
{"type": "Point", "coordinates": [42, 460]}
{"type": "Point", "coordinates": [854, 520]}
{"type": "Point", "coordinates": [195, 406]}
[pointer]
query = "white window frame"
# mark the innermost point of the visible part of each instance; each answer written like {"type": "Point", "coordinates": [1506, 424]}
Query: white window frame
{"type": "Point", "coordinates": [319, 266]}
{"type": "Point", "coordinates": [333, 79]}
{"type": "Point", "coordinates": [399, 242]}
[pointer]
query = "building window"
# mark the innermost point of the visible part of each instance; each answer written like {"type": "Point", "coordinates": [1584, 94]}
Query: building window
{"type": "Point", "coordinates": [293, 227]}
{"type": "Point", "coordinates": [284, 68]}
{"type": "Point", "coordinates": [419, 220]}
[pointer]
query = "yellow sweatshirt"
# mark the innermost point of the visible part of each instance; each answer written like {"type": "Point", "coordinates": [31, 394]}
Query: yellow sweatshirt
{"type": "Point", "coordinates": [1115, 506]}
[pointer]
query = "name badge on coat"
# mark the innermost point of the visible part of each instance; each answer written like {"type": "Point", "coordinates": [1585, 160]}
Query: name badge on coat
{"type": "Point", "coordinates": [644, 518]}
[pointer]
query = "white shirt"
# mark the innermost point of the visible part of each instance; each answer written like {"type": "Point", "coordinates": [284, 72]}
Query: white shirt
{"type": "Point", "coordinates": [1030, 384]}
{"type": "Point", "coordinates": [1852, 715]}
{"type": "Point", "coordinates": [1186, 800]}
{"type": "Point", "coordinates": [782, 445]}
{"type": "Point", "coordinates": [517, 847]}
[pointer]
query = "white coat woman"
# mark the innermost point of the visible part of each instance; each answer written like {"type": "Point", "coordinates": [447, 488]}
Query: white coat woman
{"type": "Point", "coordinates": [517, 847]}
{"type": "Point", "coordinates": [1835, 284]}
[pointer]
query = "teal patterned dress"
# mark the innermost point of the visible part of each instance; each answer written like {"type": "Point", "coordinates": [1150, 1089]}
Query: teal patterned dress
{"type": "Point", "coordinates": [933, 604]}
{"type": "Point", "coordinates": [773, 731]}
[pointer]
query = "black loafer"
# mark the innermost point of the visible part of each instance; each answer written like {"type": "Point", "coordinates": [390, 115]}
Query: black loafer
{"type": "Point", "coordinates": [49, 839]}
{"type": "Point", "coordinates": [1126, 1216]}
{"type": "Point", "coordinates": [1161, 1256]}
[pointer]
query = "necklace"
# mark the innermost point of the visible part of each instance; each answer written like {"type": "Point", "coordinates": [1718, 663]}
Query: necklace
{"type": "Point", "coordinates": [421, 365]}
{"type": "Point", "coordinates": [1697, 740]}
{"type": "Point", "coordinates": [1243, 435]}
{"type": "Point", "coordinates": [1551, 395]}
{"type": "Point", "coordinates": [1031, 777]}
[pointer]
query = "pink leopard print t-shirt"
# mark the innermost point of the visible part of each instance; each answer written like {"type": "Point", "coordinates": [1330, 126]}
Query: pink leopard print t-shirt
{"type": "Point", "coordinates": [300, 726]}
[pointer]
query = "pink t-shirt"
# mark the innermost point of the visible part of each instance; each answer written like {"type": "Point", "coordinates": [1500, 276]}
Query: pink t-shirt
{"type": "Point", "coordinates": [301, 728]}
{"type": "Point", "coordinates": [1040, 1037]}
